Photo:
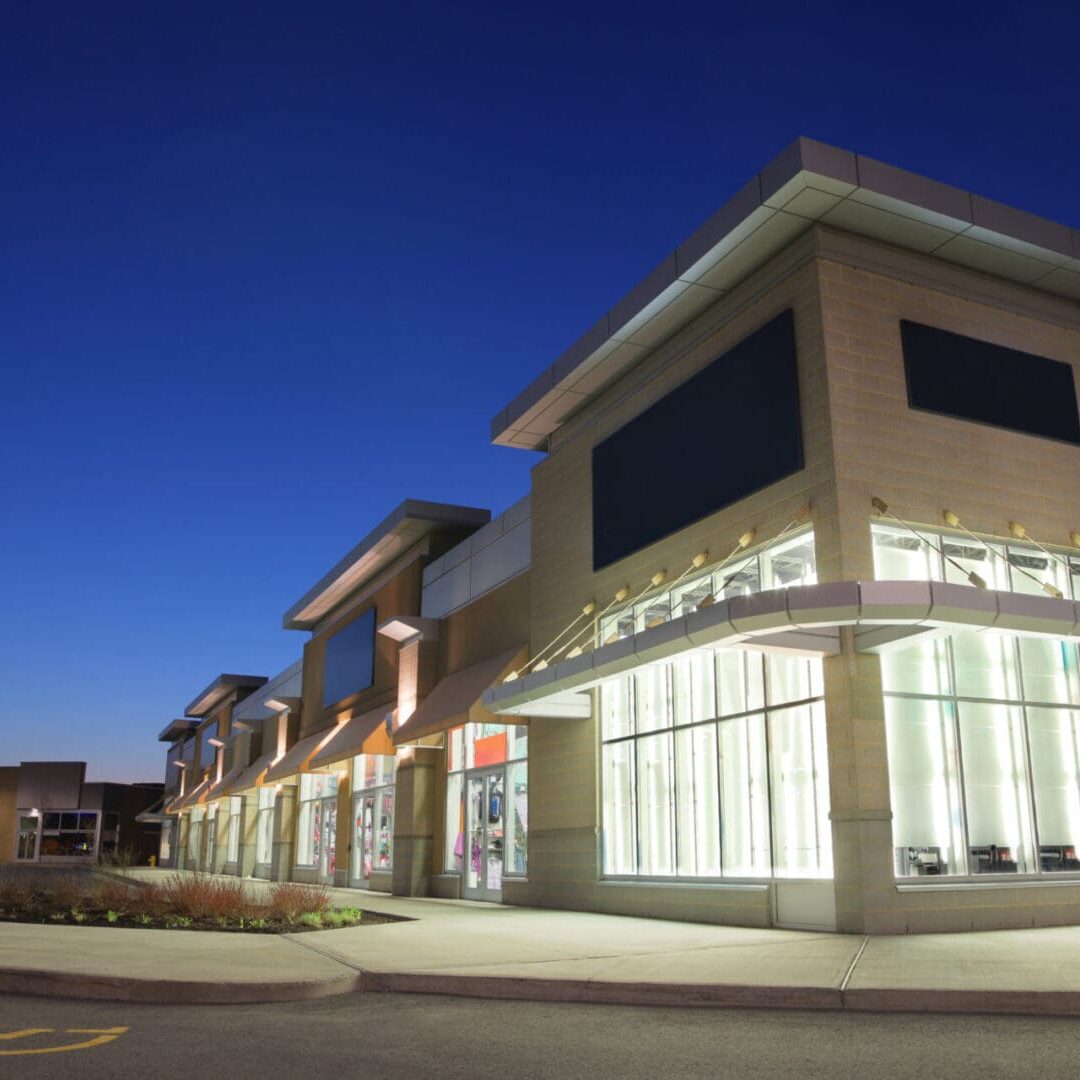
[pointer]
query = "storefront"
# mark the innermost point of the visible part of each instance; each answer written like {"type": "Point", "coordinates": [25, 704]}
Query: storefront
{"type": "Point", "coordinates": [316, 830]}
{"type": "Point", "coordinates": [487, 807]}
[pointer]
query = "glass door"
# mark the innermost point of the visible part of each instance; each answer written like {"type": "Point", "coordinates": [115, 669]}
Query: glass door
{"type": "Point", "coordinates": [327, 852]}
{"type": "Point", "coordinates": [484, 828]}
{"type": "Point", "coordinates": [373, 834]}
{"type": "Point", "coordinates": [26, 843]}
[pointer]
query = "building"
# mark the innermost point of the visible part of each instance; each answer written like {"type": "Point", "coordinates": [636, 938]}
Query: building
{"type": "Point", "coordinates": [785, 632]}
{"type": "Point", "coordinates": [50, 815]}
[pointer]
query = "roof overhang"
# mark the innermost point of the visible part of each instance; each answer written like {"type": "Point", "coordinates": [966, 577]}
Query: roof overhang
{"type": "Point", "coordinates": [219, 689]}
{"type": "Point", "coordinates": [177, 729]}
{"type": "Point", "coordinates": [803, 620]}
{"type": "Point", "coordinates": [392, 537]}
{"type": "Point", "coordinates": [403, 628]}
{"type": "Point", "coordinates": [808, 183]}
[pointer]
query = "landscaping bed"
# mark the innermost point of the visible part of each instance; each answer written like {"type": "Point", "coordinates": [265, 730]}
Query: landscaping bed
{"type": "Point", "coordinates": [180, 902]}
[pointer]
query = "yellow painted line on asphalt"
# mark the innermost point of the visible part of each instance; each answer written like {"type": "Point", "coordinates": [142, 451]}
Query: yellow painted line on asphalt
{"type": "Point", "coordinates": [101, 1037]}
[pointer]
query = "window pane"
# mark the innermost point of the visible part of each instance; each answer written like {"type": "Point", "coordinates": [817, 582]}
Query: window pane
{"type": "Point", "coordinates": [985, 665]}
{"type": "Point", "coordinates": [304, 856]}
{"type": "Point", "coordinates": [1052, 736]}
{"type": "Point", "coordinates": [744, 789]}
{"type": "Point", "coordinates": [517, 781]}
{"type": "Point", "coordinates": [1049, 670]}
{"type": "Point", "coordinates": [901, 556]}
{"type": "Point", "coordinates": [966, 556]}
{"type": "Point", "coordinates": [620, 829]}
{"type": "Point", "coordinates": [694, 691]}
{"type": "Point", "coordinates": [921, 667]}
{"type": "Point", "coordinates": [616, 709]}
{"type": "Point", "coordinates": [1029, 569]}
{"type": "Point", "coordinates": [698, 799]}
{"type": "Point", "coordinates": [740, 683]}
{"type": "Point", "coordinates": [655, 796]}
{"type": "Point", "coordinates": [652, 699]}
{"type": "Point", "coordinates": [789, 563]}
{"type": "Point", "coordinates": [794, 808]}
{"type": "Point", "coordinates": [455, 825]}
{"type": "Point", "coordinates": [384, 841]}
{"type": "Point", "coordinates": [999, 829]}
{"type": "Point", "coordinates": [924, 788]}
{"type": "Point", "coordinates": [788, 678]}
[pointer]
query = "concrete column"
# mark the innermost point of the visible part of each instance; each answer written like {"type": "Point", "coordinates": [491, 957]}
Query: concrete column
{"type": "Point", "coordinates": [284, 834]}
{"type": "Point", "coordinates": [414, 822]}
{"type": "Point", "coordinates": [859, 793]}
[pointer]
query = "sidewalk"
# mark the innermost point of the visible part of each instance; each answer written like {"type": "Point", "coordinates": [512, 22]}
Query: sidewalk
{"type": "Point", "coordinates": [485, 950]}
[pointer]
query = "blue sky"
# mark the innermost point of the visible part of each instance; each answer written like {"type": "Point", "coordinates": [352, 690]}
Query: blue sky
{"type": "Point", "coordinates": [267, 269]}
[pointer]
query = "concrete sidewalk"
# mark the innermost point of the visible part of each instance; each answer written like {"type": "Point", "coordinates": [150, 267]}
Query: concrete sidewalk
{"type": "Point", "coordinates": [485, 950]}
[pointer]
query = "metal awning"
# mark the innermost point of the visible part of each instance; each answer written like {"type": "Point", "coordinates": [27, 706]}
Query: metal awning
{"type": "Point", "coordinates": [801, 620]}
{"type": "Point", "coordinates": [295, 761]}
{"type": "Point", "coordinates": [348, 739]}
{"type": "Point", "coordinates": [457, 699]}
{"type": "Point", "coordinates": [185, 802]}
{"type": "Point", "coordinates": [249, 777]}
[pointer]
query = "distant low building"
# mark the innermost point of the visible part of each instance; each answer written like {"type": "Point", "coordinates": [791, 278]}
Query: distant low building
{"type": "Point", "coordinates": [50, 814]}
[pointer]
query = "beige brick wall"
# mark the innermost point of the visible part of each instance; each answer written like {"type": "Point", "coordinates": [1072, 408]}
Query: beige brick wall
{"type": "Point", "coordinates": [922, 464]}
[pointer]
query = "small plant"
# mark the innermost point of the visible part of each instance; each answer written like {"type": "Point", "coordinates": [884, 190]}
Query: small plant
{"type": "Point", "coordinates": [255, 924]}
{"type": "Point", "coordinates": [178, 922]}
{"type": "Point", "coordinates": [58, 916]}
{"type": "Point", "coordinates": [312, 919]}
{"type": "Point", "coordinates": [78, 916]}
{"type": "Point", "coordinates": [143, 919]}
{"type": "Point", "coordinates": [112, 916]}
{"type": "Point", "coordinates": [338, 917]}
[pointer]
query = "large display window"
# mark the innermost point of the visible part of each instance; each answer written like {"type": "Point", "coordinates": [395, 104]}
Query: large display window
{"type": "Point", "coordinates": [69, 833]}
{"type": "Point", "coordinates": [714, 766]}
{"type": "Point", "coordinates": [316, 832]}
{"type": "Point", "coordinates": [487, 806]}
{"type": "Point", "coordinates": [373, 816]}
{"type": "Point", "coordinates": [983, 728]}
{"type": "Point", "coordinates": [233, 824]}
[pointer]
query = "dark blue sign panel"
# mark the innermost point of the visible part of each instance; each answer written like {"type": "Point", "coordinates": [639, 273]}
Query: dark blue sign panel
{"type": "Point", "coordinates": [730, 430]}
{"type": "Point", "coordinates": [973, 380]}
{"type": "Point", "coordinates": [350, 660]}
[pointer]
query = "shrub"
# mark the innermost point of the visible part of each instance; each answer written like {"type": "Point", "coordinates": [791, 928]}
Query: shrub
{"type": "Point", "coordinates": [288, 900]}
{"type": "Point", "coordinates": [201, 895]}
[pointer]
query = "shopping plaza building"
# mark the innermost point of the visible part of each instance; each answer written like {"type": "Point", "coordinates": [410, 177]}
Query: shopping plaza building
{"type": "Point", "coordinates": [784, 633]}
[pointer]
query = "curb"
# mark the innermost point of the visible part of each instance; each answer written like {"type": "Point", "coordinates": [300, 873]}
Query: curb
{"type": "Point", "coordinates": [63, 984]}
{"type": "Point", "coordinates": [54, 984]}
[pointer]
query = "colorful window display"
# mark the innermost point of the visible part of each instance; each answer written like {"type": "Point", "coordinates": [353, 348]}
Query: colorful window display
{"type": "Point", "coordinates": [487, 805]}
{"type": "Point", "coordinates": [373, 815]}
{"type": "Point", "coordinates": [714, 766]}
{"type": "Point", "coordinates": [315, 839]}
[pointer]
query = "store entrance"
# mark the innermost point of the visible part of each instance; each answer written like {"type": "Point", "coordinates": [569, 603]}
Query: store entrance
{"type": "Point", "coordinates": [373, 834]}
{"type": "Point", "coordinates": [26, 844]}
{"type": "Point", "coordinates": [485, 803]}
{"type": "Point", "coordinates": [326, 839]}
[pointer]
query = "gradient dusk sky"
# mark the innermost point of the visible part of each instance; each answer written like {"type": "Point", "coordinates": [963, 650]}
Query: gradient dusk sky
{"type": "Point", "coordinates": [265, 270]}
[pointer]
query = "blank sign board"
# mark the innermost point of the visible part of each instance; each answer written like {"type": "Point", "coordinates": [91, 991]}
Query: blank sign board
{"type": "Point", "coordinates": [728, 431]}
{"type": "Point", "coordinates": [974, 380]}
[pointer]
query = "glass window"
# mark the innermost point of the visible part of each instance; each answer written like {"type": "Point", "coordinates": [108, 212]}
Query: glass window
{"type": "Point", "coordinates": [740, 684]}
{"type": "Point", "coordinates": [985, 665]}
{"type": "Point", "coordinates": [517, 787]}
{"type": "Point", "coordinates": [801, 845]}
{"type": "Point", "coordinates": [620, 810]}
{"type": "Point", "coordinates": [789, 563]}
{"type": "Point", "coordinates": [924, 787]}
{"type": "Point", "coordinates": [921, 667]}
{"type": "Point", "coordinates": [1055, 777]}
{"type": "Point", "coordinates": [69, 833]}
{"type": "Point", "coordinates": [264, 837]}
{"type": "Point", "coordinates": [963, 557]}
{"type": "Point", "coordinates": [651, 693]}
{"type": "Point", "coordinates": [694, 688]}
{"type": "Point", "coordinates": [698, 801]}
{"type": "Point", "coordinates": [455, 824]}
{"type": "Point", "coordinates": [233, 840]}
{"type": "Point", "coordinates": [744, 799]}
{"type": "Point", "coordinates": [995, 789]}
{"type": "Point", "coordinates": [1049, 670]}
{"type": "Point", "coordinates": [616, 708]}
